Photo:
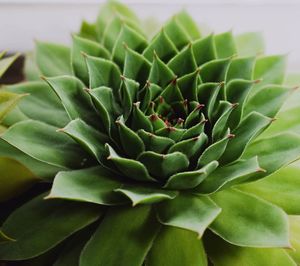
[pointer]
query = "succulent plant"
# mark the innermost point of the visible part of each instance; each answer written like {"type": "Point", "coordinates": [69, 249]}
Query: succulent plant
{"type": "Point", "coordinates": [151, 152]}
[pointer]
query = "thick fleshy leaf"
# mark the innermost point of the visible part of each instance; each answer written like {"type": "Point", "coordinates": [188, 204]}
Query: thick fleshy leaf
{"type": "Point", "coordinates": [241, 223]}
{"type": "Point", "coordinates": [225, 45]}
{"type": "Point", "coordinates": [268, 100]}
{"type": "Point", "coordinates": [15, 178]}
{"type": "Point", "coordinates": [89, 138]}
{"type": "Point", "coordinates": [131, 168]}
{"type": "Point", "coordinates": [286, 121]}
{"type": "Point", "coordinates": [281, 188]}
{"type": "Point", "coordinates": [37, 167]}
{"type": "Point", "coordinates": [130, 38]}
{"type": "Point", "coordinates": [176, 247]}
{"type": "Point", "coordinates": [139, 119]}
{"type": "Point", "coordinates": [274, 152]}
{"type": "Point", "coordinates": [119, 225]}
{"type": "Point", "coordinates": [160, 73]}
{"type": "Point", "coordinates": [191, 179]}
{"type": "Point", "coordinates": [103, 72]}
{"type": "Point", "coordinates": [241, 68]}
{"type": "Point", "coordinates": [70, 252]}
{"type": "Point", "coordinates": [155, 143]}
{"type": "Point", "coordinates": [53, 59]}
{"type": "Point", "coordinates": [83, 45]}
{"type": "Point", "coordinates": [131, 142]}
{"type": "Point", "coordinates": [34, 106]}
{"type": "Point", "coordinates": [204, 50]}
{"type": "Point", "coordinates": [6, 62]}
{"type": "Point", "coordinates": [176, 32]}
{"type": "Point", "coordinates": [163, 165]}
{"type": "Point", "coordinates": [237, 91]}
{"type": "Point", "coordinates": [271, 69]}
{"type": "Point", "coordinates": [228, 175]}
{"type": "Point", "coordinates": [95, 185]}
{"type": "Point", "coordinates": [42, 142]}
{"type": "Point", "coordinates": [146, 195]}
{"type": "Point", "coordinates": [39, 225]}
{"type": "Point", "coordinates": [8, 101]}
{"type": "Point", "coordinates": [214, 151]}
{"type": "Point", "coordinates": [128, 94]}
{"type": "Point", "coordinates": [88, 31]}
{"type": "Point", "coordinates": [295, 238]}
{"type": "Point", "coordinates": [136, 66]}
{"type": "Point", "coordinates": [250, 43]}
{"type": "Point", "coordinates": [75, 100]}
{"type": "Point", "coordinates": [184, 62]}
{"type": "Point", "coordinates": [106, 105]}
{"type": "Point", "coordinates": [190, 147]}
{"type": "Point", "coordinates": [189, 212]}
{"type": "Point", "coordinates": [162, 46]}
{"type": "Point", "coordinates": [187, 22]}
{"type": "Point", "coordinates": [250, 126]}
{"type": "Point", "coordinates": [221, 253]}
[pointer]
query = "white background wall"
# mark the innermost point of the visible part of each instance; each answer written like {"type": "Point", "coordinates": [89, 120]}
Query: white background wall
{"type": "Point", "coordinates": [22, 21]}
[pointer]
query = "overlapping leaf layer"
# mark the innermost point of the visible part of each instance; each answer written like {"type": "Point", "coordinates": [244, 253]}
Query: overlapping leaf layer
{"type": "Point", "coordinates": [144, 151]}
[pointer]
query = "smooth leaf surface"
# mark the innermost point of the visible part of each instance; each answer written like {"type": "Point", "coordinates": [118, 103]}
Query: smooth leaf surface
{"type": "Point", "coordinates": [53, 59]}
{"type": "Point", "coordinates": [188, 211]}
{"type": "Point", "coordinates": [222, 253]}
{"type": "Point", "coordinates": [241, 223]}
{"type": "Point", "coordinates": [15, 178]}
{"type": "Point", "coordinates": [95, 185]}
{"type": "Point", "coordinates": [54, 220]}
{"type": "Point", "coordinates": [281, 188]}
{"type": "Point", "coordinates": [176, 247]}
{"type": "Point", "coordinates": [128, 231]}
{"type": "Point", "coordinates": [41, 142]}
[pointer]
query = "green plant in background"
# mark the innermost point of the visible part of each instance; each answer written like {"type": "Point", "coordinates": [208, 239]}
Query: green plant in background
{"type": "Point", "coordinates": [151, 152]}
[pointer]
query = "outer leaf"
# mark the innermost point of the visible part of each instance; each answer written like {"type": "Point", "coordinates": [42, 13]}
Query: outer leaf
{"type": "Point", "coordinates": [118, 226]}
{"type": "Point", "coordinates": [162, 46]}
{"type": "Point", "coordinates": [295, 234]}
{"type": "Point", "coordinates": [176, 247]}
{"type": "Point", "coordinates": [222, 253]}
{"type": "Point", "coordinates": [89, 138]}
{"type": "Point", "coordinates": [189, 212]}
{"type": "Point", "coordinates": [6, 62]}
{"type": "Point", "coordinates": [34, 106]}
{"type": "Point", "coordinates": [146, 195]}
{"type": "Point", "coordinates": [55, 220]}
{"type": "Point", "coordinates": [42, 142]}
{"type": "Point", "coordinates": [270, 69]}
{"type": "Point", "coordinates": [95, 185]}
{"type": "Point", "coordinates": [75, 100]}
{"type": "Point", "coordinates": [225, 45]}
{"type": "Point", "coordinates": [250, 43]}
{"type": "Point", "coordinates": [82, 45]}
{"type": "Point", "coordinates": [132, 39]}
{"type": "Point", "coordinates": [281, 188]}
{"type": "Point", "coordinates": [274, 152]}
{"type": "Point", "coordinates": [103, 72]}
{"type": "Point", "coordinates": [53, 59]}
{"type": "Point", "coordinates": [187, 22]}
{"type": "Point", "coordinates": [14, 178]}
{"type": "Point", "coordinates": [204, 50]}
{"type": "Point", "coordinates": [268, 100]}
{"type": "Point", "coordinates": [227, 175]}
{"type": "Point", "coordinates": [8, 101]}
{"type": "Point", "coordinates": [243, 225]}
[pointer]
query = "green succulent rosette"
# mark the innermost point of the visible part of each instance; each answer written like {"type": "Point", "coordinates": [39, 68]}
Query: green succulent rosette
{"type": "Point", "coordinates": [157, 152]}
